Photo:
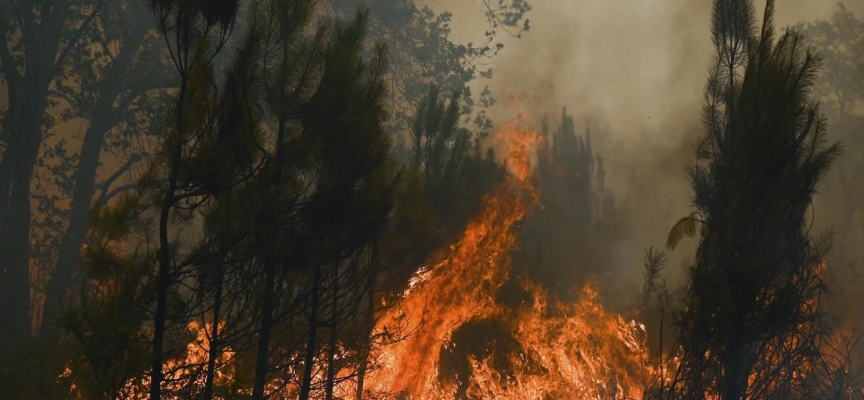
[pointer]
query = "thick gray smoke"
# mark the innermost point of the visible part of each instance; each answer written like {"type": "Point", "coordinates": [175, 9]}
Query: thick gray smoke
{"type": "Point", "coordinates": [635, 69]}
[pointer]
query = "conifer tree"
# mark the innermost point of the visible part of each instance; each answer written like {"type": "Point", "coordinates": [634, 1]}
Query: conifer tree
{"type": "Point", "coordinates": [752, 322]}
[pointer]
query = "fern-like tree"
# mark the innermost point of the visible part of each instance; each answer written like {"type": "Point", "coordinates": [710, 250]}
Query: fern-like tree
{"type": "Point", "coordinates": [752, 321]}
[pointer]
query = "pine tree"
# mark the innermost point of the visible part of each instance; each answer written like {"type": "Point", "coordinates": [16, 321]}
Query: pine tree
{"type": "Point", "coordinates": [752, 323]}
{"type": "Point", "coordinates": [208, 147]}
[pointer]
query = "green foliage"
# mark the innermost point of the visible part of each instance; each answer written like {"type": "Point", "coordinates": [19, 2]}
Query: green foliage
{"type": "Point", "coordinates": [442, 151]}
{"type": "Point", "coordinates": [270, 212]}
{"type": "Point", "coordinates": [442, 187]}
{"type": "Point", "coordinates": [343, 123]}
{"type": "Point", "coordinates": [88, 63]}
{"type": "Point", "coordinates": [840, 90]}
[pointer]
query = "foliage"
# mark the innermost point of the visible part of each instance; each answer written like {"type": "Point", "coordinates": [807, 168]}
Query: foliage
{"type": "Point", "coordinates": [840, 89]}
{"type": "Point", "coordinates": [423, 53]}
{"type": "Point", "coordinates": [753, 323]}
{"type": "Point", "coordinates": [655, 262]}
{"type": "Point", "coordinates": [268, 157]}
{"type": "Point", "coordinates": [561, 236]}
{"type": "Point", "coordinates": [685, 227]}
{"type": "Point", "coordinates": [840, 41]}
{"type": "Point", "coordinates": [94, 73]}
{"type": "Point", "coordinates": [35, 370]}
{"type": "Point", "coordinates": [448, 177]}
{"type": "Point", "coordinates": [110, 348]}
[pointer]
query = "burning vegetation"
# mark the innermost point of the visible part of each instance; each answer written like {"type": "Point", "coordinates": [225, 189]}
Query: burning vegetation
{"type": "Point", "coordinates": [303, 200]}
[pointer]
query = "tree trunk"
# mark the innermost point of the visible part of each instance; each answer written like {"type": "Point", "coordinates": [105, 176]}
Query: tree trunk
{"type": "Point", "coordinates": [267, 306]}
{"type": "Point", "coordinates": [23, 122]}
{"type": "Point", "coordinates": [334, 325]}
{"type": "Point", "coordinates": [309, 359]}
{"type": "Point", "coordinates": [85, 175]}
{"type": "Point", "coordinates": [366, 347]}
{"type": "Point", "coordinates": [16, 170]}
{"type": "Point", "coordinates": [364, 365]}
{"type": "Point", "coordinates": [263, 356]}
{"type": "Point", "coordinates": [15, 290]}
{"type": "Point", "coordinates": [214, 350]}
{"type": "Point", "coordinates": [68, 251]}
{"type": "Point", "coordinates": [27, 87]}
{"type": "Point", "coordinates": [163, 279]}
{"type": "Point", "coordinates": [736, 381]}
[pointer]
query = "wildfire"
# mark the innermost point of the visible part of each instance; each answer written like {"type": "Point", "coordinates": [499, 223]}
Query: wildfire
{"type": "Point", "coordinates": [570, 351]}
{"type": "Point", "coordinates": [561, 350]}
{"type": "Point", "coordinates": [186, 375]}
{"type": "Point", "coordinates": [463, 286]}
{"type": "Point", "coordinates": [553, 350]}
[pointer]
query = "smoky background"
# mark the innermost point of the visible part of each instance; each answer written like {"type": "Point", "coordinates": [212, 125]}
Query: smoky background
{"type": "Point", "coordinates": [633, 72]}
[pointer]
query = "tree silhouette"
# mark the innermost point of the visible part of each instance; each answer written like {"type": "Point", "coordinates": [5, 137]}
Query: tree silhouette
{"type": "Point", "coordinates": [57, 69]}
{"type": "Point", "coordinates": [752, 321]}
{"type": "Point", "coordinates": [422, 52]}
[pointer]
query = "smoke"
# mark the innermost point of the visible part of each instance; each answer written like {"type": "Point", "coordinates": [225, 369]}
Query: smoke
{"type": "Point", "coordinates": [634, 70]}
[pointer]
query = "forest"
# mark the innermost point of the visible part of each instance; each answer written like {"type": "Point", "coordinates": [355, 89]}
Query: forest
{"type": "Point", "coordinates": [412, 199]}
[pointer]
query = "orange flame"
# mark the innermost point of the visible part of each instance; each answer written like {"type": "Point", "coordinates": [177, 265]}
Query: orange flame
{"type": "Point", "coordinates": [185, 375]}
{"type": "Point", "coordinates": [463, 286]}
{"type": "Point", "coordinates": [582, 351]}
{"type": "Point", "coordinates": [577, 350]}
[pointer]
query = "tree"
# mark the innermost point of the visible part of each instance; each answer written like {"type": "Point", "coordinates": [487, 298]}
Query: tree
{"type": "Point", "coordinates": [752, 322]}
{"type": "Point", "coordinates": [422, 53]}
{"type": "Point", "coordinates": [442, 187]}
{"type": "Point", "coordinates": [115, 90]}
{"type": "Point", "coordinates": [841, 44]}
{"type": "Point", "coordinates": [109, 347]}
{"type": "Point", "coordinates": [292, 67]}
{"type": "Point", "coordinates": [257, 233]}
{"type": "Point", "coordinates": [655, 262]}
{"type": "Point", "coordinates": [437, 193]}
{"type": "Point", "coordinates": [33, 54]}
{"type": "Point", "coordinates": [63, 64]}
{"type": "Point", "coordinates": [306, 218]}
{"type": "Point", "coordinates": [350, 203]}
{"type": "Point", "coordinates": [210, 146]}
{"type": "Point", "coordinates": [560, 239]}
{"type": "Point", "coordinates": [840, 89]}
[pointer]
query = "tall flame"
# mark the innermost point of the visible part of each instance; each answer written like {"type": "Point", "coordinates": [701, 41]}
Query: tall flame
{"type": "Point", "coordinates": [570, 351]}
{"type": "Point", "coordinates": [463, 286]}
{"type": "Point", "coordinates": [564, 351]}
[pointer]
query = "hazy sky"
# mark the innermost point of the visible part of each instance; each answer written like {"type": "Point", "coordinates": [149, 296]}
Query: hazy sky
{"type": "Point", "coordinates": [635, 63]}
{"type": "Point", "coordinates": [639, 66]}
